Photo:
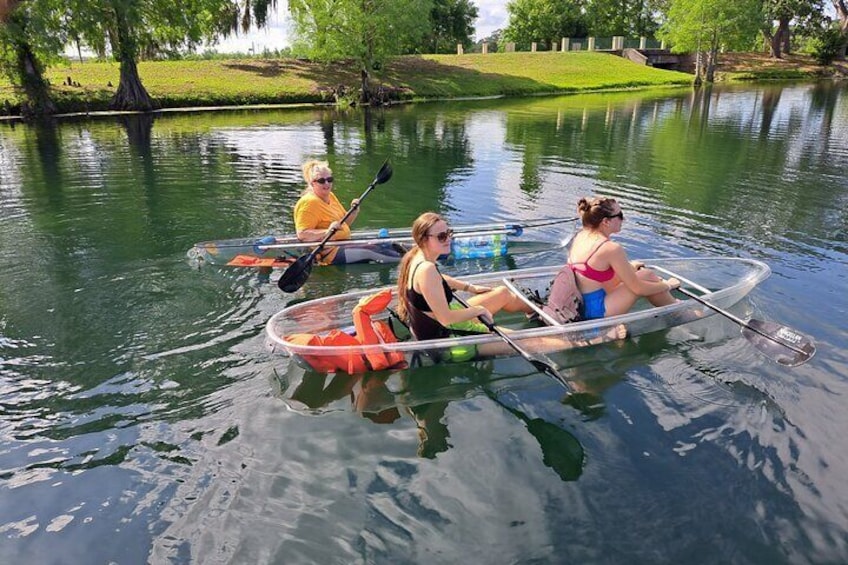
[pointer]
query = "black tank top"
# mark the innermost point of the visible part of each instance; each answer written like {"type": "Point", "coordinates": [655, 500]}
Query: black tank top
{"type": "Point", "coordinates": [423, 326]}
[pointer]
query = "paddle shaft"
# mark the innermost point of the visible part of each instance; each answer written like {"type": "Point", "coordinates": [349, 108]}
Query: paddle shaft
{"type": "Point", "coordinates": [540, 365]}
{"type": "Point", "coordinates": [723, 312]}
{"type": "Point", "coordinates": [377, 240]}
{"type": "Point", "coordinates": [742, 322]}
{"type": "Point", "coordinates": [542, 314]}
{"type": "Point", "coordinates": [405, 236]}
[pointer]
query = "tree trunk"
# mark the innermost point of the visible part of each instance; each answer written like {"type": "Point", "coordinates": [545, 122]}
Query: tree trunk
{"type": "Point", "coordinates": [712, 59]}
{"type": "Point", "coordinates": [131, 94]}
{"type": "Point", "coordinates": [6, 8]}
{"type": "Point", "coordinates": [841, 7]}
{"type": "Point", "coordinates": [37, 101]}
{"type": "Point", "coordinates": [698, 68]}
{"type": "Point", "coordinates": [782, 35]}
{"type": "Point", "coordinates": [365, 96]}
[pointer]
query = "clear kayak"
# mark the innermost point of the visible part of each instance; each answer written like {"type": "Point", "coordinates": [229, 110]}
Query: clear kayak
{"type": "Point", "coordinates": [721, 281]}
{"type": "Point", "coordinates": [470, 242]}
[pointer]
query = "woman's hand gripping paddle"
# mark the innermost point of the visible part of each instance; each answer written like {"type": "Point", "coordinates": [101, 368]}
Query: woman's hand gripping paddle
{"type": "Point", "coordinates": [295, 276]}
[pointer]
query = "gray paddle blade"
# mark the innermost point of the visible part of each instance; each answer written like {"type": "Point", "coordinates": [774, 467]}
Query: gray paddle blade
{"type": "Point", "coordinates": [782, 344]}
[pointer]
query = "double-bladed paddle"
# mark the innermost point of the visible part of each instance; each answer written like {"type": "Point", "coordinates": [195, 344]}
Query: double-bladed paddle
{"type": "Point", "coordinates": [780, 343]}
{"type": "Point", "coordinates": [540, 365]}
{"type": "Point", "coordinates": [295, 276]}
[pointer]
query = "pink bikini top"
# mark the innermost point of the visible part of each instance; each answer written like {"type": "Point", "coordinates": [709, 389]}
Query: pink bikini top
{"type": "Point", "coordinates": [593, 274]}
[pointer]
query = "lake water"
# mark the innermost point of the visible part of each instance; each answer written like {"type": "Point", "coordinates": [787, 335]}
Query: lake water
{"type": "Point", "coordinates": [142, 419]}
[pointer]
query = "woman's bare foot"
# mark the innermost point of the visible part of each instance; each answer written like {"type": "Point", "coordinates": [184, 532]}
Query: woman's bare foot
{"type": "Point", "coordinates": [615, 333]}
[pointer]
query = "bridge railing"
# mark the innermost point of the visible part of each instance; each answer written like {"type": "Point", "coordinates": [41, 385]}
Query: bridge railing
{"type": "Point", "coordinates": [615, 43]}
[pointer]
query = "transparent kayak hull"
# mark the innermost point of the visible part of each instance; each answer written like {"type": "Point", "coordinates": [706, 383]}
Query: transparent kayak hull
{"type": "Point", "coordinates": [724, 282]}
{"type": "Point", "coordinates": [470, 242]}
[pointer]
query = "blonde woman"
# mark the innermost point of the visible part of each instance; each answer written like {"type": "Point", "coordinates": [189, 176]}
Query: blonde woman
{"type": "Point", "coordinates": [318, 212]}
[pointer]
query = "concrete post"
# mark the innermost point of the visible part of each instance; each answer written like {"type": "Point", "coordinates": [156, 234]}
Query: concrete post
{"type": "Point", "coordinates": [485, 48]}
{"type": "Point", "coordinates": [459, 50]}
{"type": "Point", "coordinates": [618, 42]}
{"type": "Point", "coordinates": [643, 42]}
{"type": "Point", "coordinates": [591, 46]}
{"type": "Point", "coordinates": [662, 44]}
{"type": "Point", "coordinates": [533, 47]}
{"type": "Point", "coordinates": [565, 42]}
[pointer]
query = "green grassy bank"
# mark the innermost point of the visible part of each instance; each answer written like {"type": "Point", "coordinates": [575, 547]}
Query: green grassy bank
{"type": "Point", "coordinates": [176, 84]}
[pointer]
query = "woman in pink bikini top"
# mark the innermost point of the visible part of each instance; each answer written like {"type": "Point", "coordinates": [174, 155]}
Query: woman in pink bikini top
{"type": "Point", "coordinates": [609, 282]}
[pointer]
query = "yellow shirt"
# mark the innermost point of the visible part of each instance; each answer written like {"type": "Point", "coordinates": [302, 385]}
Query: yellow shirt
{"type": "Point", "coordinates": [312, 213]}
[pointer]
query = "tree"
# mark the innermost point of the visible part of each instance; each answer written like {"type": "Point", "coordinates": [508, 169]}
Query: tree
{"type": "Point", "coordinates": [705, 26]}
{"type": "Point", "coordinates": [242, 15]}
{"type": "Point", "coordinates": [367, 31]}
{"type": "Point", "coordinates": [451, 22]}
{"type": "Point", "coordinates": [841, 7]}
{"type": "Point", "coordinates": [130, 29]}
{"type": "Point", "coordinates": [630, 18]}
{"type": "Point", "coordinates": [805, 13]}
{"type": "Point", "coordinates": [544, 21]}
{"type": "Point", "coordinates": [28, 39]}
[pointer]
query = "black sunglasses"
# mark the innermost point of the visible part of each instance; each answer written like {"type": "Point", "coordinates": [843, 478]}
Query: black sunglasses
{"type": "Point", "coordinates": [323, 180]}
{"type": "Point", "coordinates": [619, 215]}
{"type": "Point", "coordinates": [442, 236]}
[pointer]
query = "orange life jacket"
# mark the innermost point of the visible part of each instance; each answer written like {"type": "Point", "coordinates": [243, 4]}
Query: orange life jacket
{"type": "Point", "coordinates": [368, 332]}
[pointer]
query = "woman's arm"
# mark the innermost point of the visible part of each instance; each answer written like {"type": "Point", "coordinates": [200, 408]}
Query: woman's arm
{"type": "Point", "coordinates": [457, 284]}
{"type": "Point", "coordinates": [430, 286]}
{"type": "Point", "coordinates": [626, 273]}
{"type": "Point", "coordinates": [355, 213]}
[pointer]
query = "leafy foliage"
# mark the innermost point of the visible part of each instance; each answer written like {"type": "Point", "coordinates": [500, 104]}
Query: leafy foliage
{"type": "Point", "coordinates": [826, 45]}
{"type": "Point", "coordinates": [544, 21]}
{"type": "Point", "coordinates": [365, 31]}
{"type": "Point", "coordinates": [630, 18]}
{"type": "Point", "coordinates": [699, 25]}
{"type": "Point", "coordinates": [451, 22]}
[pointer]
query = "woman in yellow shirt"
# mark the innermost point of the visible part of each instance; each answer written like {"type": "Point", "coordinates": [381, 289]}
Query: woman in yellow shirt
{"type": "Point", "coordinates": [318, 211]}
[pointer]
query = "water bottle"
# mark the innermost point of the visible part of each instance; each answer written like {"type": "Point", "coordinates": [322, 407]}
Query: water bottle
{"type": "Point", "coordinates": [479, 246]}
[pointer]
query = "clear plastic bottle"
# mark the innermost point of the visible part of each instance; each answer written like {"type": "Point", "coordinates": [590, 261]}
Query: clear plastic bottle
{"type": "Point", "coordinates": [479, 246]}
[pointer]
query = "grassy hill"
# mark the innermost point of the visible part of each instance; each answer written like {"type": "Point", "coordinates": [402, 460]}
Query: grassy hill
{"type": "Point", "coordinates": [88, 86]}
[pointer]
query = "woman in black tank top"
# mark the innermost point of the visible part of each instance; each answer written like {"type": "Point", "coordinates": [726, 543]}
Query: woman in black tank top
{"type": "Point", "coordinates": [425, 295]}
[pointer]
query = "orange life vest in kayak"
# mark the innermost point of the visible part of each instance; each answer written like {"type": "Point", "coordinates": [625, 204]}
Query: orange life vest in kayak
{"type": "Point", "coordinates": [368, 332]}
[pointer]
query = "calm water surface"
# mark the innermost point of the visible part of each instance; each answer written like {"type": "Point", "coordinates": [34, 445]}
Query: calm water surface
{"type": "Point", "coordinates": [142, 420]}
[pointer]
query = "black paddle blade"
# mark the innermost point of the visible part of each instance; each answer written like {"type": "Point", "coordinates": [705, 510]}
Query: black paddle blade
{"type": "Point", "coordinates": [783, 345]}
{"type": "Point", "coordinates": [297, 274]}
{"type": "Point", "coordinates": [384, 174]}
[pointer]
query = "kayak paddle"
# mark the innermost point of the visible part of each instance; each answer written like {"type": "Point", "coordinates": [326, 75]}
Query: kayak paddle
{"type": "Point", "coordinates": [780, 343]}
{"type": "Point", "coordinates": [295, 276]}
{"type": "Point", "coordinates": [540, 365]}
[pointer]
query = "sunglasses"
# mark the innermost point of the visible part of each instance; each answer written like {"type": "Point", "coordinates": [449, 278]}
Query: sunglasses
{"type": "Point", "coordinates": [323, 180]}
{"type": "Point", "coordinates": [619, 215]}
{"type": "Point", "coordinates": [442, 236]}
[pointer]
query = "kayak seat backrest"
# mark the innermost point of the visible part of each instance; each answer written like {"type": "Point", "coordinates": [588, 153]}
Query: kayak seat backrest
{"type": "Point", "coordinates": [368, 332]}
{"type": "Point", "coordinates": [565, 301]}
